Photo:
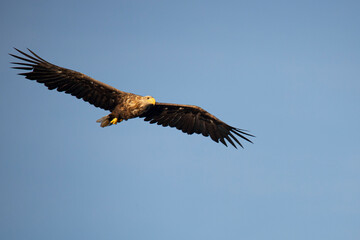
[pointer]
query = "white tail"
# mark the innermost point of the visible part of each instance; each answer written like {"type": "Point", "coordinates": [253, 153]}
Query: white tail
{"type": "Point", "coordinates": [105, 121]}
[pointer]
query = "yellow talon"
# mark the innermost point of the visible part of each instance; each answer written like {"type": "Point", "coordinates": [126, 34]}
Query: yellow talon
{"type": "Point", "coordinates": [114, 121]}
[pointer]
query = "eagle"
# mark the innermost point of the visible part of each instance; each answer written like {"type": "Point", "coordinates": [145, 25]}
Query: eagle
{"type": "Point", "coordinates": [123, 105]}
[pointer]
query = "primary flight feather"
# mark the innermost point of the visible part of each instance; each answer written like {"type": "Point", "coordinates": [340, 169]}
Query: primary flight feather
{"type": "Point", "coordinates": [123, 106]}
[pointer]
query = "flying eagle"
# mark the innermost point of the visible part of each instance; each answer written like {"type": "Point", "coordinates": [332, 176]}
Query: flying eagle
{"type": "Point", "coordinates": [123, 106]}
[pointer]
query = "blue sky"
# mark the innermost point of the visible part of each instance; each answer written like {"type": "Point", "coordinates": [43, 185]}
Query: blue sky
{"type": "Point", "coordinates": [288, 71]}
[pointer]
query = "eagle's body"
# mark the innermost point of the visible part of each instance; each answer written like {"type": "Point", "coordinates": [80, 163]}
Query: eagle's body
{"type": "Point", "coordinates": [123, 106]}
{"type": "Point", "coordinates": [129, 106]}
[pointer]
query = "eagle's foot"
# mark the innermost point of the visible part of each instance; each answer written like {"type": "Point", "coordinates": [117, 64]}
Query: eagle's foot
{"type": "Point", "coordinates": [115, 121]}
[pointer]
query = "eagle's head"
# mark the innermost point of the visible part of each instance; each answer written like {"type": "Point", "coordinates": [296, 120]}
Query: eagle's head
{"type": "Point", "coordinates": [149, 100]}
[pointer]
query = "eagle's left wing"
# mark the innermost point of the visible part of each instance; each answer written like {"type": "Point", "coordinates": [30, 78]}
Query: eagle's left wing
{"type": "Point", "coordinates": [192, 119]}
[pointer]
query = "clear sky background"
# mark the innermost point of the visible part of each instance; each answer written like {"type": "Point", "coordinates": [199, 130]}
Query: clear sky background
{"type": "Point", "coordinates": [288, 71]}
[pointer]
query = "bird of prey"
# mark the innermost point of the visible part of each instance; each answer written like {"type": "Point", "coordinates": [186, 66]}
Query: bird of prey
{"type": "Point", "coordinates": [123, 106]}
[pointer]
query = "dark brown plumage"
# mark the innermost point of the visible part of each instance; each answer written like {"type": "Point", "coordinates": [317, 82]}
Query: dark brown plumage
{"type": "Point", "coordinates": [123, 106]}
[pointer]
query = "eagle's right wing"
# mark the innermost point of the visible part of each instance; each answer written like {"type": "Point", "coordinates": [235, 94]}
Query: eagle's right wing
{"type": "Point", "coordinates": [71, 82]}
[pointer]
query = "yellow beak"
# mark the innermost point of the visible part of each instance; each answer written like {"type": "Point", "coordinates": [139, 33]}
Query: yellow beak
{"type": "Point", "coordinates": [152, 101]}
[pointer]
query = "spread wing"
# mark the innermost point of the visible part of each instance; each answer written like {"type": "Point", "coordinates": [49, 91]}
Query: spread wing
{"type": "Point", "coordinates": [65, 80]}
{"type": "Point", "coordinates": [192, 119]}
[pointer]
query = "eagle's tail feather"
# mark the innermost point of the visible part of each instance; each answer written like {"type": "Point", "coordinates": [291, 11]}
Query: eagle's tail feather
{"type": "Point", "coordinates": [105, 121]}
